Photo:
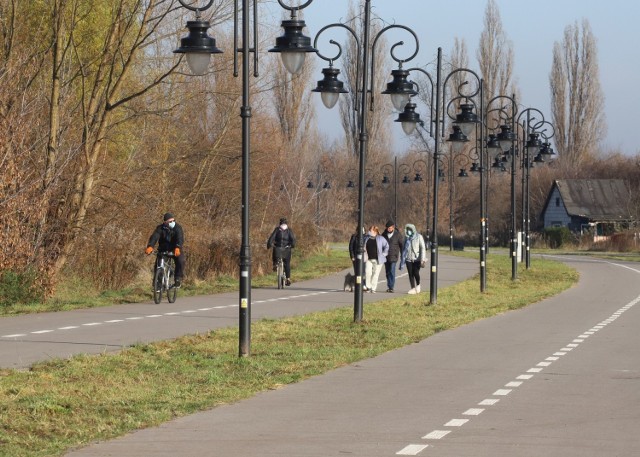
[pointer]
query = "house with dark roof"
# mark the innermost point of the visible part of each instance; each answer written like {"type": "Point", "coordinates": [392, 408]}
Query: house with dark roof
{"type": "Point", "coordinates": [597, 205]}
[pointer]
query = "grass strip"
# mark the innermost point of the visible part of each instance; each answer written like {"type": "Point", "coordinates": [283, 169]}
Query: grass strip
{"type": "Point", "coordinates": [63, 404]}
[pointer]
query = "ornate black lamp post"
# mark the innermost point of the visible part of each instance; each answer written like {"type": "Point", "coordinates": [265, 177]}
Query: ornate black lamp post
{"type": "Point", "coordinates": [330, 87]}
{"type": "Point", "coordinates": [198, 47]}
{"type": "Point", "coordinates": [465, 119]}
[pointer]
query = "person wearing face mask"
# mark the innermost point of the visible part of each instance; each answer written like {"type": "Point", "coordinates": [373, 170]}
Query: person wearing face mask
{"type": "Point", "coordinates": [282, 240]}
{"type": "Point", "coordinates": [170, 238]}
{"type": "Point", "coordinates": [413, 256]}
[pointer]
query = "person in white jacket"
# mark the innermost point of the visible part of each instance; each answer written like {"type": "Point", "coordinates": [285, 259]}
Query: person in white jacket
{"type": "Point", "coordinates": [413, 256]}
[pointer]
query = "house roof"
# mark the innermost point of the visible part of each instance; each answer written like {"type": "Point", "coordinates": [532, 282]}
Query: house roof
{"type": "Point", "coordinates": [595, 199]}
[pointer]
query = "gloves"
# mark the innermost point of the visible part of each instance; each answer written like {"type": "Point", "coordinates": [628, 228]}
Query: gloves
{"type": "Point", "coordinates": [149, 250]}
{"type": "Point", "coordinates": [177, 252]}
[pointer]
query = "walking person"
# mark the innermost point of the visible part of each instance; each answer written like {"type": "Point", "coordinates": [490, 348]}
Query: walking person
{"type": "Point", "coordinates": [353, 248]}
{"type": "Point", "coordinates": [375, 254]}
{"type": "Point", "coordinates": [396, 244]}
{"type": "Point", "coordinates": [413, 256]}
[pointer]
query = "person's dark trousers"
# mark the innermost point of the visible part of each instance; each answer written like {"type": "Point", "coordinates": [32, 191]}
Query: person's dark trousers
{"type": "Point", "coordinates": [180, 261]}
{"type": "Point", "coordinates": [390, 270]}
{"type": "Point", "coordinates": [413, 269]}
{"type": "Point", "coordinates": [354, 262]}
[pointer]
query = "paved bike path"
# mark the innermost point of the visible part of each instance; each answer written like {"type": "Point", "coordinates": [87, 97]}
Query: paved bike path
{"type": "Point", "coordinates": [27, 339]}
{"type": "Point", "coordinates": [557, 378]}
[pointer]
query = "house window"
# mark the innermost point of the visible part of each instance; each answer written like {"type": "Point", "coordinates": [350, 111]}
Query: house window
{"type": "Point", "coordinates": [558, 201]}
{"type": "Point", "coordinates": [556, 224]}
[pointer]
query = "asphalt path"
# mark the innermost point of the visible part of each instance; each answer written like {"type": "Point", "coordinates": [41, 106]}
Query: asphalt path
{"type": "Point", "coordinates": [27, 339]}
{"type": "Point", "coordinates": [558, 378]}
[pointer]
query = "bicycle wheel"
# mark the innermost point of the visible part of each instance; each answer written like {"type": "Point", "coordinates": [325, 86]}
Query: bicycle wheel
{"type": "Point", "coordinates": [172, 292]}
{"type": "Point", "coordinates": [280, 274]}
{"type": "Point", "coordinates": [157, 285]}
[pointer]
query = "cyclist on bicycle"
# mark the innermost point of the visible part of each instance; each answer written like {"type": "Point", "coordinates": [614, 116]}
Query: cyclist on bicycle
{"type": "Point", "coordinates": [170, 238]}
{"type": "Point", "coordinates": [282, 240]}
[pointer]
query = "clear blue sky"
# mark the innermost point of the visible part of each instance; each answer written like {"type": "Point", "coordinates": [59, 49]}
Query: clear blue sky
{"type": "Point", "coordinates": [533, 27]}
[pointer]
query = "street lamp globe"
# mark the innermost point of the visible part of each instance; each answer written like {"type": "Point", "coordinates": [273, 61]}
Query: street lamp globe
{"type": "Point", "coordinates": [506, 138]}
{"type": "Point", "coordinates": [400, 89]}
{"type": "Point", "coordinates": [457, 138]}
{"type": "Point", "coordinates": [409, 118]}
{"type": "Point", "coordinates": [293, 44]}
{"type": "Point", "coordinates": [198, 47]}
{"type": "Point", "coordinates": [330, 87]}
{"type": "Point", "coordinates": [466, 118]}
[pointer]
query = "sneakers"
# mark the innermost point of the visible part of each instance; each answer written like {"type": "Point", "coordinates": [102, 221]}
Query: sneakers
{"type": "Point", "coordinates": [412, 291]}
{"type": "Point", "coordinates": [390, 290]}
{"type": "Point", "coordinates": [288, 282]}
{"type": "Point", "coordinates": [365, 289]}
{"type": "Point", "coordinates": [177, 284]}
{"type": "Point", "coordinates": [418, 289]}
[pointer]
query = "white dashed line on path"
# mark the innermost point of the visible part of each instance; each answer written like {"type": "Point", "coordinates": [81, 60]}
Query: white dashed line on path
{"type": "Point", "coordinates": [415, 449]}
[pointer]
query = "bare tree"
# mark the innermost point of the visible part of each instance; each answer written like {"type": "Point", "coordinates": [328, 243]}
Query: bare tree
{"type": "Point", "coordinates": [495, 55]}
{"type": "Point", "coordinates": [576, 97]}
{"type": "Point", "coordinates": [379, 138]}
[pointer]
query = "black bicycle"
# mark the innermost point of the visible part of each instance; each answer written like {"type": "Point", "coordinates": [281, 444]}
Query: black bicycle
{"type": "Point", "coordinates": [164, 277]}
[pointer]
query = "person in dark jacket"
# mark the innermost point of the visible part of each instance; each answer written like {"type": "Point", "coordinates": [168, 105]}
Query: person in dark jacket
{"type": "Point", "coordinates": [396, 245]}
{"type": "Point", "coordinates": [353, 248]}
{"type": "Point", "coordinates": [282, 240]}
{"type": "Point", "coordinates": [170, 238]}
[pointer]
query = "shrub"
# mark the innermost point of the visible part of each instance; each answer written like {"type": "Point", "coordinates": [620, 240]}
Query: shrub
{"type": "Point", "coordinates": [18, 287]}
{"type": "Point", "coordinates": [558, 236]}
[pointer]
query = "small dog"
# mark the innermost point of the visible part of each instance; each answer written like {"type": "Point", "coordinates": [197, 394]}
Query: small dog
{"type": "Point", "coordinates": [349, 281]}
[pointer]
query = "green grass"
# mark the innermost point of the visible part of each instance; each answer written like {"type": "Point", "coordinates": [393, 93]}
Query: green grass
{"type": "Point", "coordinates": [62, 404]}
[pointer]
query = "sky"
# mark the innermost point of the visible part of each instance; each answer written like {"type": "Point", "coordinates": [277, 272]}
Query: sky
{"type": "Point", "coordinates": [532, 27]}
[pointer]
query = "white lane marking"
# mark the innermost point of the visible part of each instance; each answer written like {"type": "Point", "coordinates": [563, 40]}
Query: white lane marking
{"type": "Point", "coordinates": [136, 318]}
{"type": "Point", "coordinates": [154, 315]}
{"type": "Point", "coordinates": [189, 311]}
{"type": "Point", "coordinates": [15, 335]}
{"type": "Point", "coordinates": [171, 314]}
{"type": "Point", "coordinates": [113, 321]}
{"type": "Point", "coordinates": [456, 422]}
{"type": "Point", "coordinates": [473, 412]}
{"type": "Point", "coordinates": [69, 327]}
{"type": "Point", "coordinates": [436, 435]}
{"type": "Point", "coordinates": [92, 324]}
{"type": "Point", "coordinates": [42, 331]}
{"type": "Point", "coordinates": [412, 449]}
{"type": "Point", "coordinates": [209, 309]}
